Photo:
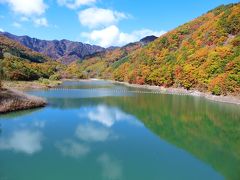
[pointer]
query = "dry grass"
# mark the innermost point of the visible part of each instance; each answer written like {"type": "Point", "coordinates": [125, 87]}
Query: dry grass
{"type": "Point", "coordinates": [12, 100]}
{"type": "Point", "coordinates": [26, 85]}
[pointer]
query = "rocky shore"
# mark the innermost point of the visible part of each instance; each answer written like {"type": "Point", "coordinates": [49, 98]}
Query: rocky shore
{"type": "Point", "coordinates": [181, 91]}
{"type": "Point", "coordinates": [13, 100]}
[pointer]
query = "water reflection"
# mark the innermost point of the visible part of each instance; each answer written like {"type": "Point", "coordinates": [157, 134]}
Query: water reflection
{"type": "Point", "coordinates": [111, 168]}
{"type": "Point", "coordinates": [39, 124]}
{"type": "Point", "coordinates": [72, 148]}
{"type": "Point", "coordinates": [107, 115]}
{"type": "Point", "coordinates": [90, 128]}
{"type": "Point", "coordinates": [18, 114]}
{"type": "Point", "coordinates": [93, 133]}
{"type": "Point", "coordinates": [208, 130]}
{"type": "Point", "coordinates": [24, 141]}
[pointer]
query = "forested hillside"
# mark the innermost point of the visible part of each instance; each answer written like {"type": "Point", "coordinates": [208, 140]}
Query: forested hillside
{"type": "Point", "coordinates": [20, 63]}
{"type": "Point", "coordinates": [100, 64]}
{"type": "Point", "coordinates": [203, 54]}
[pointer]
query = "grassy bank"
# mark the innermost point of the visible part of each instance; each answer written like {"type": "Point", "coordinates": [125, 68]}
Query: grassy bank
{"type": "Point", "coordinates": [12, 100]}
{"type": "Point", "coordinates": [25, 85]}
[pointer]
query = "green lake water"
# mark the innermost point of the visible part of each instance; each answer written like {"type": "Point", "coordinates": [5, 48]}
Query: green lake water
{"type": "Point", "coordinates": [97, 130]}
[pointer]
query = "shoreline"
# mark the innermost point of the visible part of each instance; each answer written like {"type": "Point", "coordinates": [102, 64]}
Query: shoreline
{"type": "Point", "coordinates": [13, 100]}
{"type": "Point", "coordinates": [176, 91]}
{"type": "Point", "coordinates": [23, 85]}
{"type": "Point", "coordinates": [180, 91]}
{"type": "Point", "coordinates": [29, 85]}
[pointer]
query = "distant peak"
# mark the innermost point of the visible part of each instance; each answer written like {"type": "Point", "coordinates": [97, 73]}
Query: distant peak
{"type": "Point", "coordinates": [148, 39]}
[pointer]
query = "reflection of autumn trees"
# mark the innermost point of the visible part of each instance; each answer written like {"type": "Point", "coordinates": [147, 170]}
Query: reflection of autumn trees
{"type": "Point", "coordinates": [208, 130]}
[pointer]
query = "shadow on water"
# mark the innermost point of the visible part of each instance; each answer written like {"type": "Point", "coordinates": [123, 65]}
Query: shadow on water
{"type": "Point", "coordinates": [15, 114]}
{"type": "Point", "coordinates": [208, 130]}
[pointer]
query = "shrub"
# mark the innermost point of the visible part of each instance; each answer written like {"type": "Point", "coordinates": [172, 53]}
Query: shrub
{"type": "Point", "coordinates": [216, 90]}
{"type": "Point", "coordinates": [55, 77]}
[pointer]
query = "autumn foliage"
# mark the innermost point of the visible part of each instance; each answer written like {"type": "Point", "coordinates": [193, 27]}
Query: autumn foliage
{"type": "Point", "coordinates": [203, 54]}
{"type": "Point", "coordinates": [20, 63]}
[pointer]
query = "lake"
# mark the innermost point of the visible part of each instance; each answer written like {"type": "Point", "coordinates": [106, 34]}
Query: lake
{"type": "Point", "coordinates": [95, 130]}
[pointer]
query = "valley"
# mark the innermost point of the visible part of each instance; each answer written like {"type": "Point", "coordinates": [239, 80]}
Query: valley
{"type": "Point", "coordinates": [119, 90]}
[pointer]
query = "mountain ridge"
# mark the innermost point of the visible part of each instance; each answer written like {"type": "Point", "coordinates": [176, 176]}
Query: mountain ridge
{"type": "Point", "coordinates": [65, 51]}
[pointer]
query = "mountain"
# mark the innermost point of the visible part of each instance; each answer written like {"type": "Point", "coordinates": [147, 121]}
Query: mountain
{"type": "Point", "coordinates": [11, 47]}
{"type": "Point", "coordinates": [203, 54]}
{"type": "Point", "coordinates": [18, 62]}
{"type": "Point", "coordinates": [146, 40]}
{"type": "Point", "coordinates": [99, 63]}
{"type": "Point", "coordinates": [64, 51]}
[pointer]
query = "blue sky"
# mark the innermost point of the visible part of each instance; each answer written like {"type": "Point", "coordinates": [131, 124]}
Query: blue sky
{"type": "Point", "coordinates": [101, 22]}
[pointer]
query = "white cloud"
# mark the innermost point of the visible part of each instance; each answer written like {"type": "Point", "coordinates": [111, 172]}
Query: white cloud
{"type": "Point", "coordinates": [105, 37]}
{"type": "Point", "coordinates": [73, 149]}
{"type": "Point", "coordinates": [98, 17]}
{"type": "Point", "coordinates": [29, 10]}
{"type": "Point", "coordinates": [25, 141]}
{"type": "Point", "coordinates": [1, 30]}
{"type": "Point", "coordinates": [17, 25]}
{"type": "Point", "coordinates": [112, 36]}
{"type": "Point", "coordinates": [92, 133]}
{"type": "Point", "coordinates": [73, 4]}
{"type": "Point", "coordinates": [27, 7]}
{"type": "Point", "coordinates": [41, 22]}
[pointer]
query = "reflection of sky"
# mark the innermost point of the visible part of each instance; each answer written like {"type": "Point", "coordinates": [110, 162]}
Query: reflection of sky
{"type": "Point", "coordinates": [72, 148]}
{"type": "Point", "coordinates": [95, 137]}
{"type": "Point", "coordinates": [97, 129]}
{"type": "Point", "coordinates": [27, 135]}
{"type": "Point", "coordinates": [25, 141]}
{"type": "Point", "coordinates": [92, 133]}
{"type": "Point", "coordinates": [80, 93]}
{"type": "Point", "coordinates": [111, 169]}
{"type": "Point", "coordinates": [95, 126]}
{"type": "Point", "coordinates": [106, 116]}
